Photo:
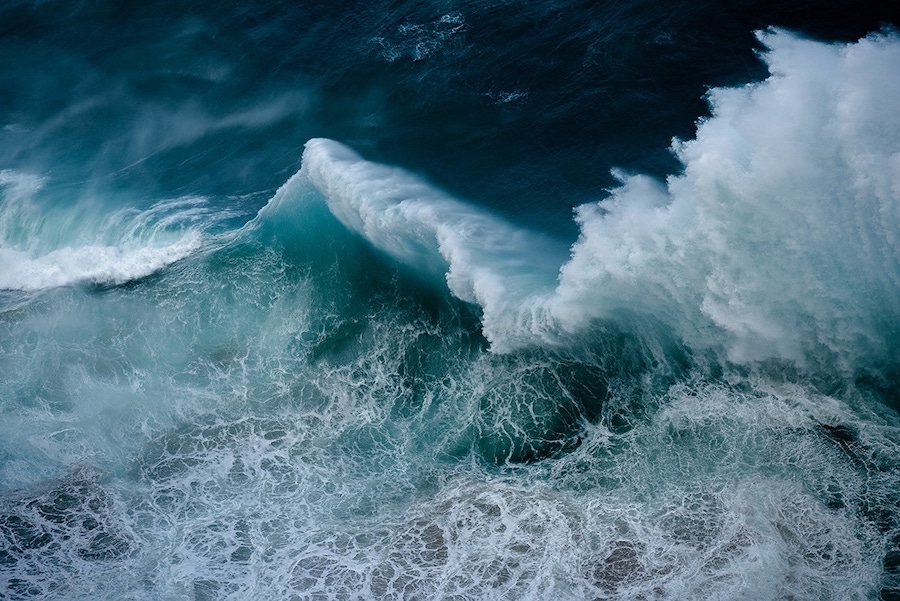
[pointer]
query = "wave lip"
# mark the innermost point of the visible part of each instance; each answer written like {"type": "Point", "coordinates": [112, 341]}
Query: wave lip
{"type": "Point", "coordinates": [506, 270]}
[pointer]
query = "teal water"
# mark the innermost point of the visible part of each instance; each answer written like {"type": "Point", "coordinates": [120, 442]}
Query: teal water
{"type": "Point", "coordinates": [313, 370]}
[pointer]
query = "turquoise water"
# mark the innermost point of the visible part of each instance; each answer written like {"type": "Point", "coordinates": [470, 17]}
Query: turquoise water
{"type": "Point", "coordinates": [280, 324]}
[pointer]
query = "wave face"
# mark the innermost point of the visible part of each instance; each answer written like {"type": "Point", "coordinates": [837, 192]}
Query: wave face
{"type": "Point", "coordinates": [504, 269]}
{"type": "Point", "coordinates": [360, 386]}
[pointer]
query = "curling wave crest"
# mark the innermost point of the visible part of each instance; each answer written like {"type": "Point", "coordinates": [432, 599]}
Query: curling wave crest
{"type": "Point", "coordinates": [780, 239]}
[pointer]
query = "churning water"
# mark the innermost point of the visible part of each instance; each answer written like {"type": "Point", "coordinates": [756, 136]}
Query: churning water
{"type": "Point", "coordinates": [293, 304]}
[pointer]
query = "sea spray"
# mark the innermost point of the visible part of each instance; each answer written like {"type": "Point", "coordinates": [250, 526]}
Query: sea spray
{"type": "Point", "coordinates": [45, 243]}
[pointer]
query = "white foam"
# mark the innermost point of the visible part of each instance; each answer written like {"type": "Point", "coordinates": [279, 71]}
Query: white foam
{"type": "Point", "coordinates": [780, 239]}
{"type": "Point", "coordinates": [781, 236]}
{"type": "Point", "coordinates": [48, 245]}
{"type": "Point", "coordinates": [485, 260]}
{"type": "Point", "coordinates": [92, 264]}
{"type": "Point", "coordinates": [418, 41]}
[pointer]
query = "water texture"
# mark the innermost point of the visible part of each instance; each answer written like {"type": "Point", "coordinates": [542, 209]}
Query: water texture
{"type": "Point", "coordinates": [449, 300]}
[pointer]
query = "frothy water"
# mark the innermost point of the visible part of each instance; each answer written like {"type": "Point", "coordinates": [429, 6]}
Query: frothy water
{"type": "Point", "coordinates": [375, 390]}
{"type": "Point", "coordinates": [44, 246]}
{"type": "Point", "coordinates": [781, 236]}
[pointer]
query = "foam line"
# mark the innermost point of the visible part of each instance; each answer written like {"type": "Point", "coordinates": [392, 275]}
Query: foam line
{"type": "Point", "coordinates": [90, 264]}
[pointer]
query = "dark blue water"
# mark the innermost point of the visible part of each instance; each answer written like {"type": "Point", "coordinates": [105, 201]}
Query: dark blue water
{"type": "Point", "coordinates": [449, 300]}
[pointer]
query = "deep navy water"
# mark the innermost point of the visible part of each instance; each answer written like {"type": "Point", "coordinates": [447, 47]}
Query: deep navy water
{"type": "Point", "coordinates": [449, 300]}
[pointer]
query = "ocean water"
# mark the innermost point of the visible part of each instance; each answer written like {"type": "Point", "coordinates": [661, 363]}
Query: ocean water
{"type": "Point", "coordinates": [449, 300]}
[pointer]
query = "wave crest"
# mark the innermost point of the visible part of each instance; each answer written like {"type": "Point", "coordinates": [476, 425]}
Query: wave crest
{"type": "Point", "coordinates": [781, 238]}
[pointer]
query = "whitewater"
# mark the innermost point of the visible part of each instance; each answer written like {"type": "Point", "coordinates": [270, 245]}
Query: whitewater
{"type": "Point", "coordinates": [372, 389]}
{"type": "Point", "coordinates": [787, 209]}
